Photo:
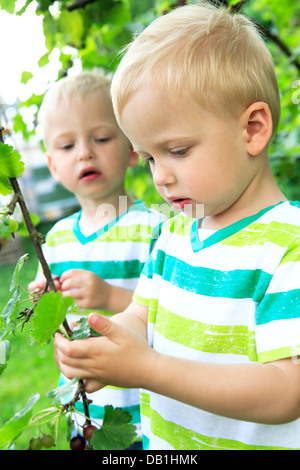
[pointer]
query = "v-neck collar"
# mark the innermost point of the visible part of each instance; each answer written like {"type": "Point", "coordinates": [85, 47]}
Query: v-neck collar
{"type": "Point", "coordinates": [225, 232]}
{"type": "Point", "coordinates": [86, 239]}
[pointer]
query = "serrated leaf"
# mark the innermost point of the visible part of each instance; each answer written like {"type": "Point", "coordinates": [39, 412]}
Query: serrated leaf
{"type": "Point", "coordinates": [116, 432]}
{"type": "Point", "coordinates": [49, 314]}
{"type": "Point", "coordinates": [4, 354]}
{"type": "Point", "coordinates": [5, 186]}
{"type": "Point", "coordinates": [64, 393]}
{"type": "Point", "coordinates": [10, 161]}
{"type": "Point", "coordinates": [13, 428]}
{"type": "Point", "coordinates": [83, 329]}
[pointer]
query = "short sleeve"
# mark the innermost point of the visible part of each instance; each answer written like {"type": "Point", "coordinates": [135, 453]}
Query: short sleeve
{"type": "Point", "coordinates": [278, 313]}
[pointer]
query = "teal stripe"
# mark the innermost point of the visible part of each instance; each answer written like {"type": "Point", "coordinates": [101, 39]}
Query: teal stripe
{"type": "Point", "coordinates": [105, 269]}
{"type": "Point", "coordinates": [279, 306]}
{"type": "Point", "coordinates": [97, 412]}
{"type": "Point", "coordinates": [236, 284]}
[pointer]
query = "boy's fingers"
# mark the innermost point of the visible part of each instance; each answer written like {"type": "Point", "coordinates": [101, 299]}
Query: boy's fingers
{"type": "Point", "coordinates": [104, 326]}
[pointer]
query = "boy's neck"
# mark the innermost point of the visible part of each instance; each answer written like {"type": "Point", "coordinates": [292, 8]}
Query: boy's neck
{"type": "Point", "coordinates": [97, 214]}
{"type": "Point", "coordinates": [262, 194]}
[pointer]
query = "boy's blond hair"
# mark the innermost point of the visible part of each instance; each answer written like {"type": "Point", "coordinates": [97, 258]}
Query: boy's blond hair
{"type": "Point", "coordinates": [216, 56]}
{"type": "Point", "coordinates": [70, 87]}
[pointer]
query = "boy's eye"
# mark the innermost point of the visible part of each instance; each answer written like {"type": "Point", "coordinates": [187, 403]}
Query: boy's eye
{"type": "Point", "coordinates": [179, 152]}
{"type": "Point", "coordinates": [148, 160]}
{"type": "Point", "coordinates": [67, 147]}
{"type": "Point", "coordinates": [103, 140]}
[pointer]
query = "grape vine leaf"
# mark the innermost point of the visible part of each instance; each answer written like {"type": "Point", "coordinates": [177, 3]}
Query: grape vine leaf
{"type": "Point", "coordinates": [14, 427]}
{"type": "Point", "coordinates": [116, 432]}
{"type": "Point", "coordinates": [49, 314]}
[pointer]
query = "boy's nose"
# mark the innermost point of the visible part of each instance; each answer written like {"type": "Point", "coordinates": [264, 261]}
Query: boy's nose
{"type": "Point", "coordinates": [85, 151]}
{"type": "Point", "coordinates": [162, 174]}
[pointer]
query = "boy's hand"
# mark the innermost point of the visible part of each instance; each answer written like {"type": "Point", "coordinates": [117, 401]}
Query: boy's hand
{"type": "Point", "coordinates": [121, 357]}
{"type": "Point", "coordinates": [87, 289]}
{"type": "Point", "coordinates": [39, 286]}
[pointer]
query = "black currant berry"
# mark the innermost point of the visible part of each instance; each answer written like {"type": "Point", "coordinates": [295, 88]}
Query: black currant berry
{"type": "Point", "coordinates": [77, 443]}
{"type": "Point", "coordinates": [88, 431]}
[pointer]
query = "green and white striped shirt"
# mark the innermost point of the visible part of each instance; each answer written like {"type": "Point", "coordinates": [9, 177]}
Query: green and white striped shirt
{"type": "Point", "coordinates": [231, 297]}
{"type": "Point", "coordinates": [117, 254]}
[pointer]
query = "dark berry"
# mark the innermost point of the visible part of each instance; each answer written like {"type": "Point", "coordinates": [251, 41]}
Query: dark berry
{"type": "Point", "coordinates": [88, 431]}
{"type": "Point", "coordinates": [47, 441]}
{"type": "Point", "coordinates": [77, 443]}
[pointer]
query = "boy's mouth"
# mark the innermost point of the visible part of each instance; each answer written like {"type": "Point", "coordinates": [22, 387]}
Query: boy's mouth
{"type": "Point", "coordinates": [89, 174]}
{"type": "Point", "coordinates": [180, 203]}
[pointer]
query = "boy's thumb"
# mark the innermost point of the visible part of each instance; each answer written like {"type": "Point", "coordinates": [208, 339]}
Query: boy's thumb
{"type": "Point", "coordinates": [101, 324]}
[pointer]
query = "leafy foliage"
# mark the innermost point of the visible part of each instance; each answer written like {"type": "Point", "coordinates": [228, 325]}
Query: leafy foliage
{"type": "Point", "coordinates": [11, 166]}
{"type": "Point", "coordinates": [13, 428]}
{"type": "Point", "coordinates": [116, 432]}
{"type": "Point", "coordinates": [49, 314]}
{"type": "Point", "coordinates": [83, 330]}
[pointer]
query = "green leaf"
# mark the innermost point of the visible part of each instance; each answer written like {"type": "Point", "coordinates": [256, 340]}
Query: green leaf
{"type": "Point", "coordinates": [9, 313]}
{"type": "Point", "coordinates": [44, 60]}
{"type": "Point", "coordinates": [64, 393]}
{"type": "Point", "coordinates": [116, 432]}
{"type": "Point", "coordinates": [49, 314]}
{"type": "Point", "coordinates": [83, 329]}
{"type": "Point", "coordinates": [10, 161]}
{"type": "Point", "coordinates": [16, 274]}
{"type": "Point", "coordinates": [8, 5]}
{"type": "Point", "coordinates": [5, 186]}
{"type": "Point", "coordinates": [4, 228]}
{"type": "Point", "coordinates": [25, 77]}
{"type": "Point", "coordinates": [13, 428]}
{"type": "Point", "coordinates": [4, 354]}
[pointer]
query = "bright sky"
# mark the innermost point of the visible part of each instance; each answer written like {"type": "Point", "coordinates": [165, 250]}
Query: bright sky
{"type": "Point", "coordinates": [22, 44]}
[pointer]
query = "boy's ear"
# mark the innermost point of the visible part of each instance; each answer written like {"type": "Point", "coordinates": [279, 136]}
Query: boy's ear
{"type": "Point", "coordinates": [52, 168]}
{"type": "Point", "coordinates": [133, 157]}
{"type": "Point", "coordinates": [258, 124]}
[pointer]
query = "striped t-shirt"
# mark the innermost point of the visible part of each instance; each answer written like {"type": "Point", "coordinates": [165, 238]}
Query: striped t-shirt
{"type": "Point", "coordinates": [232, 297]}
{"type": "Point", "coordinates": [117, 254]}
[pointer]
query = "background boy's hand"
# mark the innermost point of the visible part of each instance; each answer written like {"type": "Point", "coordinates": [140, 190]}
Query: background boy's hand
{"type": "Point", "coordinates": [87, 289]}
{"type": "Point", "coordinates": [39, 286]}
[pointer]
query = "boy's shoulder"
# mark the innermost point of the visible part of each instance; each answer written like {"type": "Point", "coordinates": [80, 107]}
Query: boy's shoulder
{"type": "Point", "coordinates": [64, 224]}
{"type": "Point", "coordinates": [284, 213]}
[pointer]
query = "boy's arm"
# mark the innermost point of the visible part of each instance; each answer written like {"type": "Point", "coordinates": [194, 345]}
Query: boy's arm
{"type": "Point", "coordinates": [266, 393]}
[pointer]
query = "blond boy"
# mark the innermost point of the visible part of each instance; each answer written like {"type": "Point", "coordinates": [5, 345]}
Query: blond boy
{"type": "Point", "coordinates": [213, 329]}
